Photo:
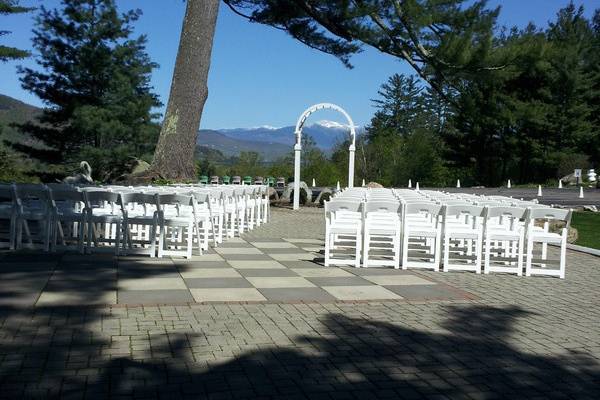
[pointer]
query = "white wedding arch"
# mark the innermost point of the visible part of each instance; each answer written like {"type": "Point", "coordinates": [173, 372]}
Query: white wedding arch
{"type": "Point", "coordinates": [298, 145]}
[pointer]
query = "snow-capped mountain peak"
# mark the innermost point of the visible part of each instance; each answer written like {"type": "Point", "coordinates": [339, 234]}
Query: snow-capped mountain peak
{"type": "Point", "coordinates": [268, 127]}
{"type": "Point", "coordinates": [332, 124]}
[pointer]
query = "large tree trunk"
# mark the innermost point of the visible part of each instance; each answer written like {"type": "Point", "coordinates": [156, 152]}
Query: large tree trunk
{"type": "Point", "coordinates": [174, 155]}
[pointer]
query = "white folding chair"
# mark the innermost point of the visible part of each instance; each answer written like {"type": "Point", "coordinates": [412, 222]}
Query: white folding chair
{"type": "Point", "coordinates": [463, 237]}
{"type": "Point", "coordinates": [68, 219]}
{"type": "Point", "coordinates": [343, 232]}
{"type": "Point", "coordinates": [33, 205]}
{"type": "Point", "coordinates": [381, 230]}
{"type": "Point", "coordinates": [176, 213]}
{"type": "Point", "coordinates": [209, 223]}
{"type": "Point", "coordinates": [140, 222]}
{"type": "Point", "coordinates": [421, 235]}
{"type": "Point", "coordinates": [104, 221]}
{"type": "Point", "coordinates": [545, 237]}
{"type": "Point", "coordinates": [8, 217]}
{"type": "Point", "coordinates": [504, 236]}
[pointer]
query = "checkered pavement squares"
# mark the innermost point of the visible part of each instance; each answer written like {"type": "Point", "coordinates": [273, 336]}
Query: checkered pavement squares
{"type": "Point", "coordinates": [266, 270]}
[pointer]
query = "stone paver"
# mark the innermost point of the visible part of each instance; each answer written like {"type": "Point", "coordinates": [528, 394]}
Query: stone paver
{"type": "Point", "coordinates": [511, 337]}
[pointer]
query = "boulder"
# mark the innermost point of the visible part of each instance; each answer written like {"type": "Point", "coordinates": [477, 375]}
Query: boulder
{"type": "Point", "coordinates": [84, 177]}
{"type": "Point", "coordinates": [287, 193]}
{"type": "Point", "coordinates": [569, 179]}
{"type": "Point", "coordinates": [374, 185]}
{"type": "Point", "coordinates": [139, 166]}
{"type": "Point", "coordinates": [326, 192]}
{"type": "Point", "coordinates": [273, 195]}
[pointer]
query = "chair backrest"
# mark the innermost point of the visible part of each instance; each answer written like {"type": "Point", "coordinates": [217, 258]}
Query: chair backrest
{"type": "Point", "coordinates": [383, 206]}
{"type": "Point", "coordinates": [464, 209]}
{"type": "Point", "coordinates": [101, 196]}
{"type": "Point", "coordinates": [422, 207]}
{"type": "Point", "coordinates": [7, 194]}
{"type": "Point", "coordinates": [505, 211]}
{"type": "Point", "coordinates": [67, 198]}
{"type": "Point", "coordinates": [33, 196]}
{"type": "Point", "coordinates": [174, 199]}
{"type": "Point", "coordinates": [551, 214]}
{"type": "Point", "coordinates": [138, 198]}
{"type": "Point", "coordinates": [343, 205]}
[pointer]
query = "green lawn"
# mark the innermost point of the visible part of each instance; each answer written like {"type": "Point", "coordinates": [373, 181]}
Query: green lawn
{"type": "Point", "coordinates": [588, 227]}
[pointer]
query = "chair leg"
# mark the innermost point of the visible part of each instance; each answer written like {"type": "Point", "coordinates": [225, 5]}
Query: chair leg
{"type": "Point", "coordinates": [19, 234]}
{"type": "Point", "coordinates": [405, 250]}
{"type": "Point", "coordinates": [396, 249]}
{"type": "Point", "coordinates": [563, 254]}
{"type": "Point", "coordinates": [118, 236]}
{"type": "Point", "coordinates": [529, 258]}
{"type": "Point", "coordinates": [478, 244]}
{"type": "Point", "coordinates": [544, 253]}
{"type": "Point", "coordinates": [190, 242]}
{"type": "Point", "coordinates": [80, 238]}
{"type": "Point", "coordinates": [358, 249]}
{"type": "Point", "coordinates": [438, 250]}
{"type": "Point", "coordinates": [446, 253]}
{"type": "Point", "coordinates": [327, 248]}
{"type": "Point", "coordinates": [520, 256]}
{"type": "Point", "coordinates": [486, 257]}
{"type": "Point", "coordinates": [365, 254]}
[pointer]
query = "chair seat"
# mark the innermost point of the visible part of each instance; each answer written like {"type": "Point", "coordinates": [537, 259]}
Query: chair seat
{"type": "Point", "coordinates": [104, 216]}
{"type": "Point", "coordinates": [344, 228]}
{"type": "Point", "coordinates": [421, 232]}
{"type": "Point", "coordinates": [71, 215]}
{"type": "Point", "coordinates": [34, 215]}
{"type": "Point", "coordinates": [462, 232]}
{"type": "Point", "coordinates": [547, 237]}
{"type": "Point", "coordinates": [502, 234]}
{"type": "Point", "coordinates": [177, 221]}
{"type": "Point", "coordinates": [383, 231]}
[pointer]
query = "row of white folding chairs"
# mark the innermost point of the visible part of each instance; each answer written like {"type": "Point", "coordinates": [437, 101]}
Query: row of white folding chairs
{"type": "Point", "coordinates": [129, 219]}
{"type": "Point", "coordinates": [465, 233]}
{"type": "Point", "coordinates": [233, 210]}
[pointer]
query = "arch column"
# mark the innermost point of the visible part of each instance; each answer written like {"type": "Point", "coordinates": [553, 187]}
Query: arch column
{"type": "Point", "coordinates": [297, 155]}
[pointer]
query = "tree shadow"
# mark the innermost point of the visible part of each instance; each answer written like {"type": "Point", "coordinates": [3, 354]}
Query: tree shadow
{"type": "Point", "coordinates": [476, 352]}
{"type": "Point", "coordinates": [469, 356]}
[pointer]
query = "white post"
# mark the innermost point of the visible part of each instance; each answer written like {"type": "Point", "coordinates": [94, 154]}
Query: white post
{"type": "Point", "coordinates": [458, 183]}
{"type": "Point", "coordinates": [338, 186]}
{"type": "Point", "coordinates": [560, 184]}
{"type": "Point", "coordinates": [417, 187]}
{"type": "Point", "coordinates": [508, 185]}
{"type": "Point", "coordinates": [363, 183]}
{"type": "Point", "coordinates": [314, 183]}
{"type": "Point", "coordinates": [581, 192]}
{"type": "Point", "coordinates": [351, 166]}
{"type": "Point", "coordinates": [297, 150]}
{"type": "Point", "coordinates": [539, 191]}
{"type": "Point", "coordinates": [410, 184]}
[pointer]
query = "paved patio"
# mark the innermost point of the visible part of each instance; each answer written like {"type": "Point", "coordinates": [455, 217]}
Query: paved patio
{"type": "Point", "coordinates": [289, 330]}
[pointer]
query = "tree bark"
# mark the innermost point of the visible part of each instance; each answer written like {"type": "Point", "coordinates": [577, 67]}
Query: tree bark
{"type": "Point", "coordinates": [174, 154]}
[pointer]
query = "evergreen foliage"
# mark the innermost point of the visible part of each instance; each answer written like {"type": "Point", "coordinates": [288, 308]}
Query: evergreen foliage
{"type": "Point", "coordinates": [8, 53]}
{"type": "Point", "coordinates": [95, 82]}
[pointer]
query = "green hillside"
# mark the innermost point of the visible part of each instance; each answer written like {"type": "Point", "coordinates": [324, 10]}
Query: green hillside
{"type": "Point", "coordinates": [14, 111]}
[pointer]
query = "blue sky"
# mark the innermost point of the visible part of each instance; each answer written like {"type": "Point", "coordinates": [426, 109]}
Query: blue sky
{"type": "Point", "coordinates": [261, 76]}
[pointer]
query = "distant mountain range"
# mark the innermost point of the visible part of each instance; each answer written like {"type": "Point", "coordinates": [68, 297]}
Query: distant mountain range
{"type": "Point", "coordinates": [271, 142]}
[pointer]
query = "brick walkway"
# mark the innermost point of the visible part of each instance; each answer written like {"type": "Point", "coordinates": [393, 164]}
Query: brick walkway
{"type": "Point", "coordinates": [516, 338]}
